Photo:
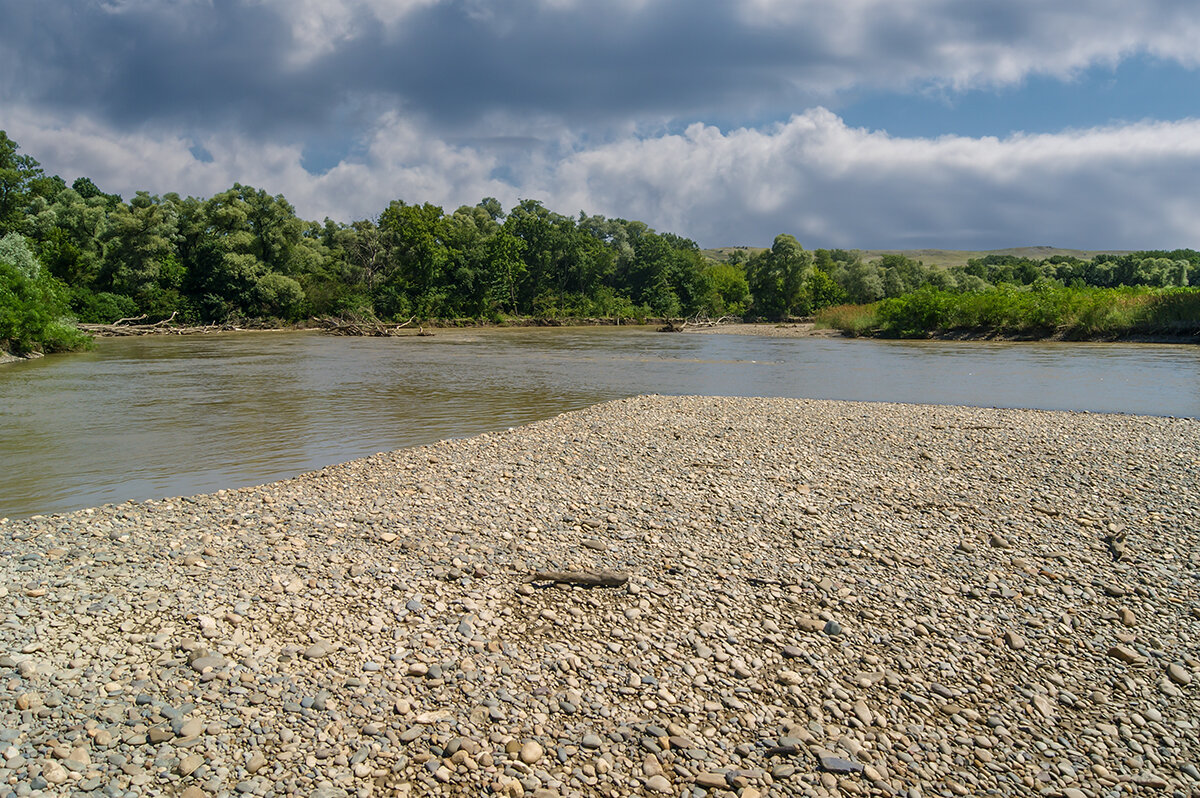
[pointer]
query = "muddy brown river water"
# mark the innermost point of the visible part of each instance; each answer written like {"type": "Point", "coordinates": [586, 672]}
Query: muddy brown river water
{"type": "Point", "coordinates": [167, 416]}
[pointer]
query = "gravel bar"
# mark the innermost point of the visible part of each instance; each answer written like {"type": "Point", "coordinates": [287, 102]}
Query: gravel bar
{"type": "Point", "coordinates": [793, 598]}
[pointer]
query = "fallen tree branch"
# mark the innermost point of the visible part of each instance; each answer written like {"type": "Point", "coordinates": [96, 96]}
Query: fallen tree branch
{"type": "Point", "coordinates": [581, 578]}
{"type": "Point", "coordinates": [164, 327]}
{"type": "Point", "coordinates": [700, 320]}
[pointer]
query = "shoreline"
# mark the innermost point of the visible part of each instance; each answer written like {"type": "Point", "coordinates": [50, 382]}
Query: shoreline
{"type": "Point", "coordinates": [810, 330]}
{"type": "Point", "coordinates": [762, 329]}
{"type": "Point", "coordinates": [822, 598]}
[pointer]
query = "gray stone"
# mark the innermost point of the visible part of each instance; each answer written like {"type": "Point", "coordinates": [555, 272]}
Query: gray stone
{"type": "Point", "coordinates": [837, 764]}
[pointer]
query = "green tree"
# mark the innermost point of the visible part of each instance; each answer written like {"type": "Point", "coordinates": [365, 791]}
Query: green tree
{"type": "Point", "coordinates": [729, 293]}
{"type": "Point", "coordinates": [468, 280]}
{"type": "Point", "coordinates": [417, 256]}
{"type": "Point", "coordinates": [548, 251]}
{"type": "Point", "coordinates": [140, 259]}
{"type": "Point", "coordinates": [821, 290]}
{"type": "Point", "coordinates": [365, 249]}
{"type": "Point", "coordinates": [776, 278]}
{"type": "Point", "coordinates": [650, 273]}
{"type": "Point", "coordinates": [18, 177]}
{"type": "Point", "coordinates": [507, 268]}
{"type": "Point", "coordinates": [234, 239]}
{"type": "Point", "coordinates": [863, 283]}
{"type": "Point", "coordinates": [68, 235]}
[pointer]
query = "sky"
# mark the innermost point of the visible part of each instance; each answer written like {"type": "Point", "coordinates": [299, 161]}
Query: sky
{"type": "Point", "coordinates": [961, 124]}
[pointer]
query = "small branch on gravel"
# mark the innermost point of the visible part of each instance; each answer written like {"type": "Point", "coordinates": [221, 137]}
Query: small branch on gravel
{"type": "Point", "coordinates": [967, 426]}
{"type": "Point", "coordinates": [758, 580]}
{"type": "Point", "coordinates": [784, 750]}
{"type": "Point", "coordinates": [581, 578]}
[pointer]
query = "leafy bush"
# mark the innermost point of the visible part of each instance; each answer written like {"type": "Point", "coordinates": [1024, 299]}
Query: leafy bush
{"type": "Point", "coordinates": [32, 304]}
{"type": "Point", "coordinates": [101, 308]}
{"type": "Point", "coordinates": [280, 296]}
{"type": "Point", "coordinates": [917, 314]}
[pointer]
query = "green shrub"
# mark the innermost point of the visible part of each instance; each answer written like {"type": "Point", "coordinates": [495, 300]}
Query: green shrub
{"type": "Point", "coordinates": [101, 308]}
{"type": "Point", "coordinates": [32, 304]}
{"type": "Point", "coordinates": [1044, 310]}
{"type": "Point", "coordinates": [915, 315]}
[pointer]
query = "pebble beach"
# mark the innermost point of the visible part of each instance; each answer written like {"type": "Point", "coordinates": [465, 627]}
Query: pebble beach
{"type": "Point", "coordinates": [799, 598]}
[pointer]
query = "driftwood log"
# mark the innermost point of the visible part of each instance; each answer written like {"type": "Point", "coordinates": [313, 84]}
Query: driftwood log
{"type": "Point", "coordinates": [679, 325]}
{"type": "Point", "coordinates": [581, 578]}
{"type": "Point", "coordinates": [706, 321]}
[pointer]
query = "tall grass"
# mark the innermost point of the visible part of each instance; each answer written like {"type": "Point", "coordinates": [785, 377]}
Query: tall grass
{"type": "Point", "coordinates": [1040, 312]}
{"type": "Point", "coordinates": [853, 320]}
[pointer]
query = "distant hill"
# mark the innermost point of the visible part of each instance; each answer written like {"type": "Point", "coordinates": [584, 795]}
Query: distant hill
{"type": "Point", "coordinates": [940, 257]}
{"type": "Point", "coordinates": [959, 257]}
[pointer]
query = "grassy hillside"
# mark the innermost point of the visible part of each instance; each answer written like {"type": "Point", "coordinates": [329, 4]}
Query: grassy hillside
{"type": "Point", "coordinates": [722, 253]}
{"type": "Point", "coordinates": [936, 257]}
{"type": "Point", "coordinates": [959, 257]}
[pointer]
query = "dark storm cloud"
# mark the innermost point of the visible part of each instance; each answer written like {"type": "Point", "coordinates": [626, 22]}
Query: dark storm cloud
{"type": "Point", "coordinates": [184, 63]}
{"type": "Point", "coordinates": [273, 65]}
{"type": "Point", "coordinates": [196, 63]}
{"type": "Point", "coordinates": [590, 63]}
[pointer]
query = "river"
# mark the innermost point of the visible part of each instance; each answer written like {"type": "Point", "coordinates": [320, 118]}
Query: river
{"type": "Point", "coordinates": [167, 416]}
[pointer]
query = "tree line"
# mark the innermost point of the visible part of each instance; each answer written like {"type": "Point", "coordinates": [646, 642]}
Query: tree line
{"type": "Point", "coordinates": [243, 254]}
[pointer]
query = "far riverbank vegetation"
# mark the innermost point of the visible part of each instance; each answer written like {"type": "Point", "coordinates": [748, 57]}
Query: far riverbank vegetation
{"type": "Point", "coordinates": [74, 253]}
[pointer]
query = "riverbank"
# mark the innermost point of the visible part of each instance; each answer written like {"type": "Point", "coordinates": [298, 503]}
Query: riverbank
{"type": "Point", "coordinates": [1007, 313]}
{"type": "Point", "coordinates": [823, 598]}
{"type": "Point", "coordinates": [372, 328]}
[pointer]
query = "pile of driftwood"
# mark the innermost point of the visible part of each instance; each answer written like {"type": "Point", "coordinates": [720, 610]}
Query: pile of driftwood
{"type": "Point", "coordinates": [679, 325]}
{"type": "Point", "coordinates": [129, 326]}
{"type": "Point", "coordinates": [368, 327]}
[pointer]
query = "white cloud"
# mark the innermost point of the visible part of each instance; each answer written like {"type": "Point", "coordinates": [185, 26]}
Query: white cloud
{"type": "Point", "coordinates": [1120, 187]}
{"type": "Point", "coordinates": [401, 162]}
{"type": "Point", "coordinates": [831, 185]}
